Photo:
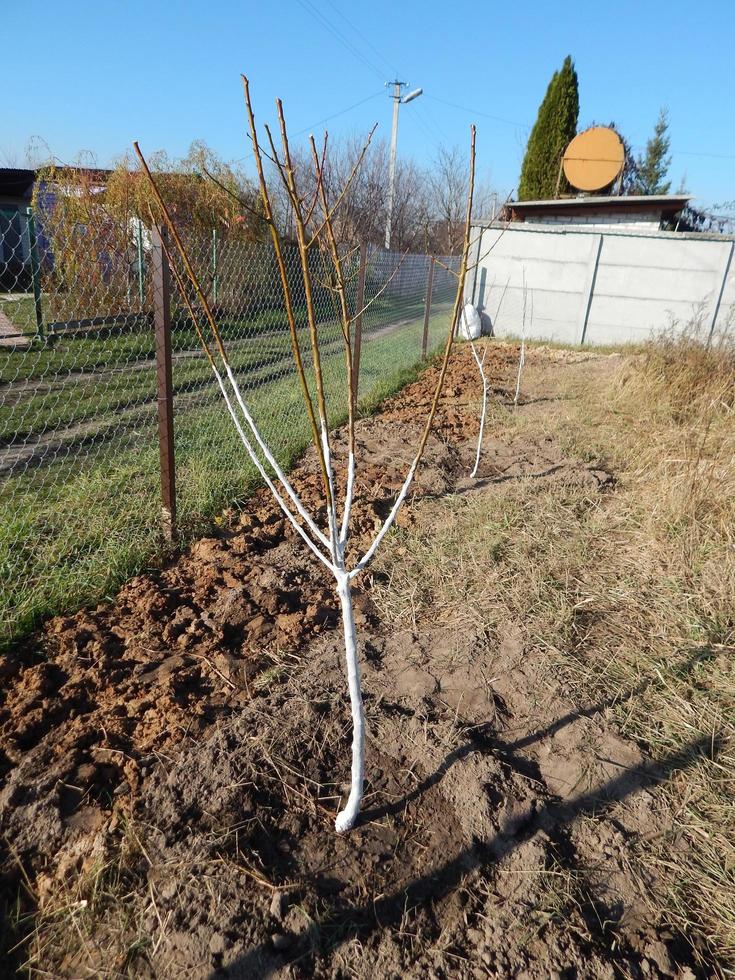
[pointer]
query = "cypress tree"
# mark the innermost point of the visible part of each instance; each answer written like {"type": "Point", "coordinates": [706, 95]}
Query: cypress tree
{"type": "Point", "coordinates": [556, 125]}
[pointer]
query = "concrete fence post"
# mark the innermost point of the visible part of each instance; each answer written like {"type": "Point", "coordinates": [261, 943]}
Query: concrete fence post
{"type": "Point", "coordinates": [720, 294]}
{"type": "Point", "coordinates": [589, 287]}
{"type": "Point", "coordinates": [476, 269]}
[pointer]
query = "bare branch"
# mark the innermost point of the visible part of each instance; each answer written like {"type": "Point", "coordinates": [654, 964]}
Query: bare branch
{"type": "Point", "coordinates": [367, 557]}
{"type": "Point", "coordinates": [248, 446]}
{"type": "Point", "coordinates": [288, 173]}
{"type": "Point", "coordinates": [236, 197]}
{"type": "Point", "coordinates": [383, 287]}
{"type": "Point", "coordinates": [482, 232]}
{"type": "Point", "coordinates": [282, 272]}
{"type": "Point", "coordinates": [329, 213]}
{"type": "Point", "coordinates": [447, 267]}
{"type": "Point", "coordinates": [315, 199]}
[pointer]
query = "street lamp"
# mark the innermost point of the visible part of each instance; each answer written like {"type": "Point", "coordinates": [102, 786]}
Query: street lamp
{"type": "Point", "coordinates": [397, 100]}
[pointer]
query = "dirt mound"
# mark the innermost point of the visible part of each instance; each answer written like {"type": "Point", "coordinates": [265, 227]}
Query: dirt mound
{"type": "Point", "coordinates": [193, 735]}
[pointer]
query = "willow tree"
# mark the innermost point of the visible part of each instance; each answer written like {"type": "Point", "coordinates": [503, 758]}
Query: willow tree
{"type": "Point", "coordinates": [314, 211]}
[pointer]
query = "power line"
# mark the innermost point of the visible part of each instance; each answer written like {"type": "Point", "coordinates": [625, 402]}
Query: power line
{"type": "Point", "coordinates": [477, 112]}
{"type": "Point", "coordinates": [320, 122]}
{"type": "Point", "coordinates": [423, 120]}
{"type": "Point", "coordinates": [310, 8]}
{"type": "Point", "coordinates": [693, 153]}
{"type": "Point", "coordinates": [340, 113]}
{"type": "Point", "coordinates": [424, 114]}
{"type": "Point", "coordinates": [393, 70]}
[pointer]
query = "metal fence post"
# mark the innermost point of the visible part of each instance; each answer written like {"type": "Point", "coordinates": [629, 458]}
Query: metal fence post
{"type": "Point", "coordinates": [358, 319]}
{"type": "Point", "coordinates": [215, 283]}
{"type": "Point", "coordinates": [162, 326]}
{"type": "Point", "coordinates": [141, 267]}
{"type": "Point", "coordinates": [35, 270]}
{"type": "Point", "coordinates": [427, 309]}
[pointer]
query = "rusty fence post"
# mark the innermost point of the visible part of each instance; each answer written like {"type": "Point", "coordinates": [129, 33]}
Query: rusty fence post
{"type": "Point", "coordinates": [427, 308]}
{"type": "Point", "coordinates": [358, 319]}
{"type": "Point", "coordinates": [164, 385]}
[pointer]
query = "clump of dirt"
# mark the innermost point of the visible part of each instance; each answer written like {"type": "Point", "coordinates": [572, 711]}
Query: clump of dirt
{"type": "Point", "coordinates": [203, 715]}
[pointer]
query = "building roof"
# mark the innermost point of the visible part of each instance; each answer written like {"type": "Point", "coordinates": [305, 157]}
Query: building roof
{"type": "Point", "coordinates": [16, 182]}
{"type": "Point", "coordinates": [665, 204]}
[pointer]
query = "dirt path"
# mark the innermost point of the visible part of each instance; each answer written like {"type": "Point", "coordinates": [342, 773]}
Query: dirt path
{"type": "Point", "coordinates": [10, 335]}
{"type": "Point", "coordinates": [26, 449]}
{"type": "Point", "coordinates": [173, 761]}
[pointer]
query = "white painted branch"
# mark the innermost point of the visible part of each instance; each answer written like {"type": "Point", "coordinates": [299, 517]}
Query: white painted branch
{"type": "Point", "coordinates": [481, 369]}
{"type": "Point", "coordinates": [348, 815]}
{"type": "Point", "coordinates": [521, 362]}
{"type": "Point", "coordinates": [271, 459]}
{"type": "Point", "coordinates": [334, 539]}
{"type": "Point", "coordinates": [348, 499]}
{"type": "Point", "coordinates": [271, 486]}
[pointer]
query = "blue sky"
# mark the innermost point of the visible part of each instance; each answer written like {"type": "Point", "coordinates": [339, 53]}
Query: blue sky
{"type": "Point", "coordinates": [94, 76]}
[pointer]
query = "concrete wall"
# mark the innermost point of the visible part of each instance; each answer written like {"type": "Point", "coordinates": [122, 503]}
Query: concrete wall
{"type": "Point", "coordinates": [586, 286]}
{"type": "Point", "coordinates": [620, 220]}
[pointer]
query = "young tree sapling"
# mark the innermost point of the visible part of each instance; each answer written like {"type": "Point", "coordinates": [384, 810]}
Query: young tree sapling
{"type": "Point", "coordinates": [313, 215]}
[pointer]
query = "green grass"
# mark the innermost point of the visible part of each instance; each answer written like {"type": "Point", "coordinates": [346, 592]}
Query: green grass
{"type": "Point", "coordinates": [71, 380]}
{"type": "Point", "coordinates": [20, 312]}
{"type": "Point", "coordinates": [72, 531]}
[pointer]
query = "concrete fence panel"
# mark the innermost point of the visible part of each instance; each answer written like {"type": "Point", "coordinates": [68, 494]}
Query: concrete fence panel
{"type": "Point", "coordinates": [600, 287]}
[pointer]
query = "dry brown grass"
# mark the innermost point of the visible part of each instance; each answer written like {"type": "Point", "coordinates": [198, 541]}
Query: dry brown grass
{"type": "Point", "coordinates": [90, 923]}
{"type": "Point", "coordinates": [629, 594]}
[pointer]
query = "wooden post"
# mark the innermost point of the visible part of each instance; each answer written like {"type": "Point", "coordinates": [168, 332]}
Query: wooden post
{"type": "Point", "coordinates": [358, 319]}
{"type": "Point", "coordinates": [427, 309]}
{"type": "Point", "coordinates": [162, 325]}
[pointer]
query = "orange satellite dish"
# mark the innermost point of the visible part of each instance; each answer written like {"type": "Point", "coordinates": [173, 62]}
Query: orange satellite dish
{"type": "Point", "coordinates": [594, 159]}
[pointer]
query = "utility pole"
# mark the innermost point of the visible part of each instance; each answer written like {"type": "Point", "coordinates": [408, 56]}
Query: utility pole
{"type": "Point", "coordinates": [397, 100]}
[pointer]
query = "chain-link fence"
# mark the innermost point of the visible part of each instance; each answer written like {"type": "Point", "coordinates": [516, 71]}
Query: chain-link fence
{"type": "Point", "coordinates": [80, 392]}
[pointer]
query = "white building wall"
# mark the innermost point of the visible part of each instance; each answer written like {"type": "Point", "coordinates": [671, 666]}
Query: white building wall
{"type": "Point", "coordinates": [599, 286]}
{"type": "Point", "coordinates": [620, 221]}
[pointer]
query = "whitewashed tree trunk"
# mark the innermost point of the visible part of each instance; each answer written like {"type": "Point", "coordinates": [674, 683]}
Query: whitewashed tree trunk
{"type": "Point", "coordinates": [346, 818]}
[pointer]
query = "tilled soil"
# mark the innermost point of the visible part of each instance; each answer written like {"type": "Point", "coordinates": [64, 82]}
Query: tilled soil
{"type": "Point", "coordinates": [194, 735]}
